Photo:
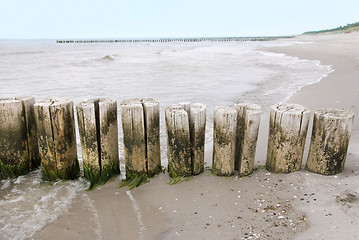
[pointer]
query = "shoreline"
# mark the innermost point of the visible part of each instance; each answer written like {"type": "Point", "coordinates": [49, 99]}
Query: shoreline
{"type": "Point", "coordinates": [337, 214]}
{"type": "Point", "coordinates": [299, 205]}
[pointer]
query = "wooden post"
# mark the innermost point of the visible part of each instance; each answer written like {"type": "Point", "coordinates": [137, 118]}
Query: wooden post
{"type": "Point", "coordinates": [287, 133]}
{"type": "Point", "coordinates": [248, 120]}
{"type": "Point", "coordinates": [330, 140]}
{"type": "Point", "coordinates": [14, 149]}
{"type": "Point", "coordinates": [140, 123]}
{"type": "Point", "coordinates": [151, 110]}
{"type": "Point", "coordinates": [186, 106]}
{"type": "Point", "coordinates": [133, 126]}
{"type": "Point", "coordinates": [108, 137]}
{"type": "Point", "coordinates": [186, 130]}
{"type": "Point", "coordinates": [197, 125]}
{"type": "Point", "coordinates": [86, 118]}
{"type": "Point", "coordinates": [178, 142]}
{"type": "Point", "coordinates": [97, 119]}
{"type": "Point", "coordinates": [224, 140]}
{"type": "Point", "coordinates": [28, 103]}
{"type": "Point", "coordinates": [57, 139]}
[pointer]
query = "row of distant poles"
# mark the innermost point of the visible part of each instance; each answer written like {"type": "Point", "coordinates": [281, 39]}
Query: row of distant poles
{"type": "Point", "coordinates": [153, 40]}
{"type": "Point", "coordinates": [43, 133]}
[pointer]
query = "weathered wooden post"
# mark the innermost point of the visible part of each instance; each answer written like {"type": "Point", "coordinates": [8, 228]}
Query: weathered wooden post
{"type": "Point", "coordinates": [186, 106]}
{"type": "Point", "coordinates": [248, 120]}
{"type": "Point", "coordinates": [97, 120]}
{"type": "Point", "coordinates": [288, 127]}
{"type": "Point", "coordinates": [57, 139]}
{"type": "Point", "coordinates": [224, 140]}
{"type": "Point", "coordinates": [197, 126]}
{"type": "Point", "coordinates": [19, 151]}
{"type": "Point", "coordinates": [28, 103]}
{"type": "Point", "coordinates": [330, 140]}
{"type": "Point", "coordinates": [133, 126]}
{"type": "Point", "coordinates": [151, 109]}
{"type": "Point", "coordinates": [178, 142]}
{"type": "Point", "coordinates": [186, 130]}
{"type": "Point", "coordinates": [140, 124]}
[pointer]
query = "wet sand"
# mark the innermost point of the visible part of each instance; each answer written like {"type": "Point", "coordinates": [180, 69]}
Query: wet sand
{"type": "Point", "coordinates": [264, 205]}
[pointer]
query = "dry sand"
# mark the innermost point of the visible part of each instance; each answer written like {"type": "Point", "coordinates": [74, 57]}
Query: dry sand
{"type": "Point", "coordinates": [264, 205]}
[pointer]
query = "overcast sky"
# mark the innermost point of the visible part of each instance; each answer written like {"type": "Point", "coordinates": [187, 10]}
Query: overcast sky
{"type": "Point", "coordinates": [51, 19]}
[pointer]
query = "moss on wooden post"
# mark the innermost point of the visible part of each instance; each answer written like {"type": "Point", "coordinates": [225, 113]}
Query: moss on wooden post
{"type": "Point", "coordinates": [287, 133]}
{"type": "Point", "coordinates": [224, 140]}
{"type": "Point", "coordinates": [57, 139]}
{"type": "Point", "coordinates": [18, 138]}
{"type": "Point", "coordinates": [330, 140]}
{"type": "Point", "coordinates": [97, 119]}
{"type": "Point", "coordinates": [140, 124]}
{"type": "Point", "coordinates": [248, 120]}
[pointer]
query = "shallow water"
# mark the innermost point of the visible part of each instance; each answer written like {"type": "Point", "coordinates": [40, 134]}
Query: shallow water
{"type": "Point", "coordinates": [212, 73]}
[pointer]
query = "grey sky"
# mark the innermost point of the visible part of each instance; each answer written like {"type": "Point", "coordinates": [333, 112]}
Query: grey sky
{"type": "Point", "coordinates": [169, 18]}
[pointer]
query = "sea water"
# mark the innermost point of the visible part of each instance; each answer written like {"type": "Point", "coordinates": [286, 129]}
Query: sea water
{"type": "Point", "coordinates": [212, 73]}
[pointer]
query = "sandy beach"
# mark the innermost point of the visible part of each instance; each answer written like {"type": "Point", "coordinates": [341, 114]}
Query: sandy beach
{"type": "Point", "coordinates": [299, 205]}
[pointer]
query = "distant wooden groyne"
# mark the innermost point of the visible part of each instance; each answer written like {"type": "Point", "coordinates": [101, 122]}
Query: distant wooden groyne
{"type": "Point", "coordinates": [153, 40]}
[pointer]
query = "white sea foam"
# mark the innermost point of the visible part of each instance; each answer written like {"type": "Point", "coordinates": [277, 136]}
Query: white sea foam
{"type": "Point", "coordinates": [211, 73]}
{"type": "Point", "coordinates": [297, 72]}
{"type": "Point", "coordinates": [27, 206]}
{"type": "Point", "coordinates": [86, 198]}
{"type": "Point", "coordinates": [5, 184]}
{"type": "Point", "coordinates": [136, 209]}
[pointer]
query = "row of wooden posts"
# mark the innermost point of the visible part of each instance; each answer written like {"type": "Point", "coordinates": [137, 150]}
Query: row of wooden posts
{"type": "Point", "coordinates": [44, 132]}
{"type": "Point", "coordinates": [200, 39]}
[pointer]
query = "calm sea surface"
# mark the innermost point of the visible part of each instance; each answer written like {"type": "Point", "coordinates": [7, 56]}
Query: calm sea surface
{"type": "Point", "coordinates": [212, 73]}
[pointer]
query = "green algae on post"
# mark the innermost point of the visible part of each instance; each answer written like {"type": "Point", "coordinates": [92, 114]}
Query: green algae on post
{"type": "Point", "coordinates": [98, 178]}
{"type": "Point", "coordinates": [67, 173]}
{"type": "Point", "coordinates": [133, 180]}
{"type": "Point", "coordinates": [287, 134]}
{"type": "Point", "coordinates": [97, 121]}
{"type": "Point", "coordinates": [57, 139]}
{"type": "Point", "coordinates": [19, 152]}
{"type": "Point", "coordinates": [12, 171]}
{"type": "Point", "coordinates": [174, 178]}
{"type": "Point", "coordinates": [330, 140]}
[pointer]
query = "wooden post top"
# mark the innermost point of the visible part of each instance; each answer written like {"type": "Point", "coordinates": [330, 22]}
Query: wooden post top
{"type": "Point", "coordinates": [90, 102]}
{"type": "Point", "coordinates": [53, 102]}
{"type": "Point", "coordinates": [225, 109]}
{"type": "Point", "coordinates": [198, 106]}
{"type": "Point", "coordinates": [18, 98]}
{"type": "Point", "coordinates": [249, 106]}
{"type": "Point", "coordinates": [334, 113]}
{"type": "Point", "coordinates": [289, 108]}
{"type": "Point", "coordinates": [138, 101]}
